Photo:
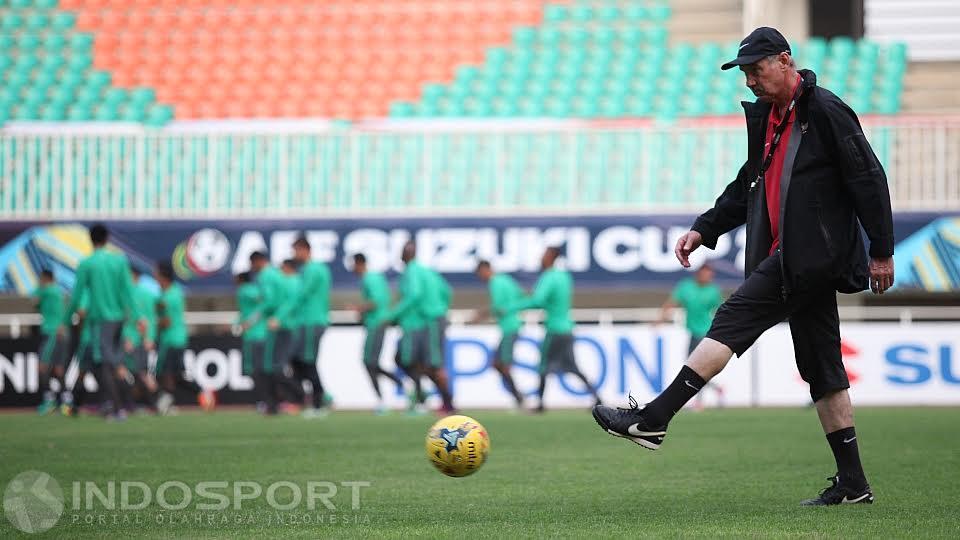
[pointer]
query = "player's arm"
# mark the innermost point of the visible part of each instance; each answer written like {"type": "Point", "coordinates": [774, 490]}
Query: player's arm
{"type": "Point", "coordinates": [538, 299]}
{"type": "Point", "coordinates": [78, 298]}
{"type": "Point", "coordinates": [729, 211]}
{"type": "Point", "coordinates": [412, 294]}
{"type": "Point", "coordinates": [866, 184]}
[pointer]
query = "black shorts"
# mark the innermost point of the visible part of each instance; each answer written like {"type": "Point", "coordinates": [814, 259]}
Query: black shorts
{"type": "Point", "coordinates": [254, 353]}
{"type": "Point", "coordinates": [170, 360]}
{"type": "Point", "coordinates": [280, 345]}
{"type": "Point", "coordinates": [814, 325]}
{"type": "Point", "coordinates": [105, 342]}
{"type": "Point", "coordinates": [556, 354]}
{"type": "Point", "coordinates": [53, 350]}
{"type": "Point", "coordinates": [421, 348]}
{"type": "Point", "coordinates": [136, 360]}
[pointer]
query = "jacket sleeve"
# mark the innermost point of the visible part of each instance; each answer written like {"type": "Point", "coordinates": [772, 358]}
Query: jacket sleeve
{"type": "Point", "coordinates": [862, 176]}
{"type": "Point", "coordinates": [728, 212]}
{"type": "Point", "coordinates": [538, 299]}
{"type": "Point", "coordinates": [412, 291]}
{"type": "Point", "coordinates": [77, 298]}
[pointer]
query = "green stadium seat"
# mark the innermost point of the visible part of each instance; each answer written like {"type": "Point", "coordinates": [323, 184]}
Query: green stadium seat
{"type": "Point", "coordinates": [28, 41]}
{"type": "Point", "coordinates": [63, 20]}
{"type": "Point", "coordinates": [37, 21]}
{"type": "Point", "coordinates": [159, 115]}
{"type": "Point", "coordinates": [554, 13]}
{"type": "Point", "coordinates": [11, 21]}
{"type": "Point", "coordinates": [52, 113]}
{"type": "Point", "coordinates": [54, 42]}
{"type": "Point", "coordinates": [81, 42]}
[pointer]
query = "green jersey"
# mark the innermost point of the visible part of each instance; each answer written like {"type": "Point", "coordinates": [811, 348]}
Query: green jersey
{"type": "Point", "coordinates": [106, 276]}
{"type": "Point", "coordinates": [145, 308]}
{"type": "Point", "coordinates": [273, 287]}
{"type": "Point", "coordinates": [408, 312]}
{"type": "Point", "coordinates": [436, 296]}
{"type": "Point", "coordinates": [504, 292]}
{"type": "Point", "coordinates": [553, 293]}
{"type": "Point", "coordinates": [312, 301]}
{"type": "Point", "coordinates": [700, 302]}
{"type": "Point", "coordinates": [376, 291]}
{"type": "Point", "coordinates": [292, 293]}
{"type": "Point", "coordinates": [248, 299]}
{"type": "Point", "coordinates": [172, 305]}
{"type": "Point", "coordinates": [51, 307]}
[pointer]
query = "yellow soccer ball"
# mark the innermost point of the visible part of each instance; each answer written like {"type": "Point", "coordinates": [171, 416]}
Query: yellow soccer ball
{"type": "Point", "coordinates": [457, 445]}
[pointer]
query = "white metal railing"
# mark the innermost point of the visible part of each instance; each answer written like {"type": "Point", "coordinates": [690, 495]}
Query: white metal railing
{"type": "Point", "coordinates": [14, 323]}
{"type": "Point", "coordinates": [575, 167]}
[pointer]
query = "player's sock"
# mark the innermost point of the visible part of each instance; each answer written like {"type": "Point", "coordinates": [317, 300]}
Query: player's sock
{"type": "Point", "coordinates": [659, 411]}
{"type": "Point", "coordinates": [540, 388]}
{"type": "Point", "coordinates": [107, 381]}
{"type": "Point", "coordinates": [512, 388]}
{"type": "Point", "coordinates": [593, 392]}
{"type": "Point", "coordinates": [843, 442]}
{"type": "Point", "coordinates": [373, 372]}
{"type": "Point", "coordinates": [317, 391]}
{"type": "Point", "coordinates": [393, 377]}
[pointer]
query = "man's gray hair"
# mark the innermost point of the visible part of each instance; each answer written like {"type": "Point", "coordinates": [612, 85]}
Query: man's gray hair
{"type": "Point", "coordinates": [772, 57]}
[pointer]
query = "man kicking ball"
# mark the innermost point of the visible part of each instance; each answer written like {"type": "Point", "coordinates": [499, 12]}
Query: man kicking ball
{"type": "Point", "coordinates": [806, 205]}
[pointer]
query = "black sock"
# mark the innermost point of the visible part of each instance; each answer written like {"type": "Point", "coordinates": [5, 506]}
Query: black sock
{"type": "Point", "coordinates": [843, 442]}
{"type": "Point", "coordinates": [512, 388]}
{"type": "Point", "coordinates": [670, 401]}
{"type": "Point", "coordinates": [372, 372]}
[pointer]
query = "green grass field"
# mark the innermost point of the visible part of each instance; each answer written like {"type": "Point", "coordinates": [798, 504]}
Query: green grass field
{"type": "Point", "coordinates": [720, 473]}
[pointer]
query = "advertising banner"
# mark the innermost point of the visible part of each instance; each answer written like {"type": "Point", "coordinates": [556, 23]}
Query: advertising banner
{"type": "Point", "coordinates": [600, 251]}
{"type": "Point", "coordinates": [888, 364]}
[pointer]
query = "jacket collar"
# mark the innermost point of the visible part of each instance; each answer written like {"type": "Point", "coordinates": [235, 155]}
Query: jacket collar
{"type": "Point", "coordinates": [753, 109]}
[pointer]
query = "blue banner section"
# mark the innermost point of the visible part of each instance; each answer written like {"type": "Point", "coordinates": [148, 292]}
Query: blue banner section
{"type": "Point", "coordinates": [599, 250]}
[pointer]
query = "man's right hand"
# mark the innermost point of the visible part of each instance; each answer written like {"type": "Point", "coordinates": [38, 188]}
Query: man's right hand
{"type": "Point", "coordinates": [686, 245]}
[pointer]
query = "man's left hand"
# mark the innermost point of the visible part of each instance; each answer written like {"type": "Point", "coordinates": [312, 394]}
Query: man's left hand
{"type": "Point", "coordinates": [881, 274]}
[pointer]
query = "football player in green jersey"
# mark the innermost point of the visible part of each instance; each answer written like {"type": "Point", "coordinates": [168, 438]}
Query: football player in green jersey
{"type": "Point", "coordinates": [376, 301]}
{"type": "Point", "coordinates": [553, 294]}
{"type": "Point", "coordinates": [504, 291]}
{"type": "Point", "coordinates": [53, 339]}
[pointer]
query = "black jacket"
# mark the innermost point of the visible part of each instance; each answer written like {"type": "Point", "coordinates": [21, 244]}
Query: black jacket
{"type": "Point", "coordinates": [831, 181]}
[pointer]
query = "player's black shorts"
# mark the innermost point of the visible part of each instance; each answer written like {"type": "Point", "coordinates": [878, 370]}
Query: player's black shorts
{"type": "Point", "coordinates": [254, 353]}
{"type": "Point", "coordinates": [556, 354]}
{"type": "Point", "coordinates": [311, 335]}
{"type": "Point", "coordinates": [105, 341]}
{"type": "Point", "coordinates": [53, 350]}
{"type": "Point", "coordinates": [136, 360]}
{"type": "Point", "coordinates": [170, 360]}
{"type": "Point", "coordinates": [814, 325]}
{"type": "Point", "coordinates": [420, 348]}
{"type": "Point", "coordinates": [280, 345]}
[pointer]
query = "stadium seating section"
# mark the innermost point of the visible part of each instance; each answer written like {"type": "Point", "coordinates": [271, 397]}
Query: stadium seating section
{"type": "Point", "coordinates": [153, 60]}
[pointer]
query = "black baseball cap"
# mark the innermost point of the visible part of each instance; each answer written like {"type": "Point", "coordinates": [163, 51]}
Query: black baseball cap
{"type": "Point", "coordinates": [761, 43]}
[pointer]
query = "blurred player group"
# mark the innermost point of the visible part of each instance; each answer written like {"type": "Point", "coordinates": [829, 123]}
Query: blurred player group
{"type": "Point", "coordinates": [119, 323]}
{"type": "Point", "coordinates": [283, 314]}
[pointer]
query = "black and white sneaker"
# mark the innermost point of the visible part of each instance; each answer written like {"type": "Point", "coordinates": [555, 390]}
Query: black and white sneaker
{"type": "Point", "coordinates": [841, 493]}
{"type": "Point", "coordinates": [629, 424]}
